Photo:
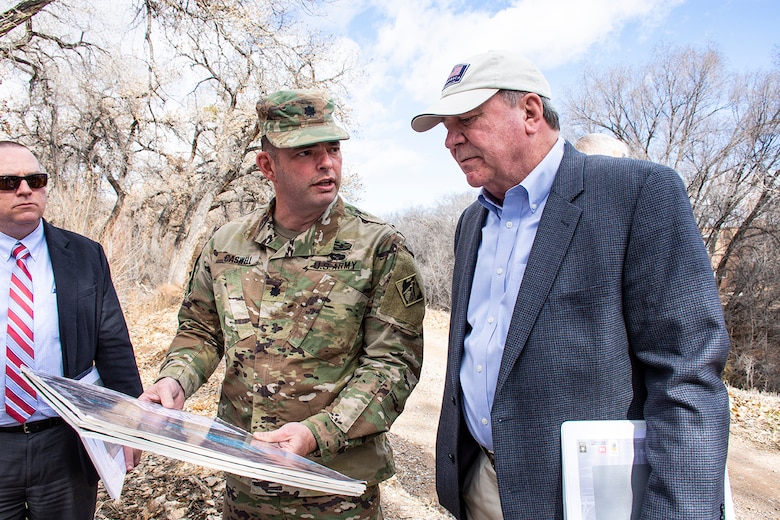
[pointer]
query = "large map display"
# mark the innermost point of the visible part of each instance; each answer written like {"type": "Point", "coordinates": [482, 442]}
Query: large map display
{"type": "Point", "coordinates": [102, 414]}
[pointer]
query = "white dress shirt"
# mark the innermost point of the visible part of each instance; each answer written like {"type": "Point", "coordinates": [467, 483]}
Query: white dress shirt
{"type": "Point", "coordinates": [46, 333]}
{"type": "Point", "coordinates": [507, 237]}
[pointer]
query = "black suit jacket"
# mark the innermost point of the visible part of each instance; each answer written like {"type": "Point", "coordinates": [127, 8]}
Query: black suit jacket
{"type": "Point", "coordinates": [92, 326]}
{"type": "Point", "coordinates": [617, 317]}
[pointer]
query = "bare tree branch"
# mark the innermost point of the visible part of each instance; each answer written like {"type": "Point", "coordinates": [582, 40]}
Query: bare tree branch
{"type": "Point", "coordinates": [20, 14]}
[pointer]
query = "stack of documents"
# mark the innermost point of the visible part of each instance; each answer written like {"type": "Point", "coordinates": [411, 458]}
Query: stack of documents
{"type": "Point", "coordinates": [605, 470]}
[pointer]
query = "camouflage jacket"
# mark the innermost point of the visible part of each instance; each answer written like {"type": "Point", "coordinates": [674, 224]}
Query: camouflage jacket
{"type": "Point", "coordinates": [325, 329]}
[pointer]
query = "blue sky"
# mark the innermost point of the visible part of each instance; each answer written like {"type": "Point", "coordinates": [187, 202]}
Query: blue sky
{"type": "Point", "coordinates": [408, 47]}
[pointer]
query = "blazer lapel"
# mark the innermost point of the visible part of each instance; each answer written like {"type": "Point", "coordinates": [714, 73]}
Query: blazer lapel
{"type": "Point", "coordinates": [63, 263]}
{"type": "Point", "coordinates": [556, 229]}
{"type": "Point", "coordinates": [469, 236]}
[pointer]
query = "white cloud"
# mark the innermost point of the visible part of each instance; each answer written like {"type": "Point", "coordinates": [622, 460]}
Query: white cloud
{"type": "Point", "coordinates": [417, 42]}
{"type": "Point", "coordinates": [408, 47]}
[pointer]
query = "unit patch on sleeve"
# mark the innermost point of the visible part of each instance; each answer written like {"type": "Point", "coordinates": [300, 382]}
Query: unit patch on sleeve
{"type": "Point", "coordinates": [410, 290]}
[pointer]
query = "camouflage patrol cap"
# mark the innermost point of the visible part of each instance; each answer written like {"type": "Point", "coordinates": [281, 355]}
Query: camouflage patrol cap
{"type": "Point", "coordinates": [292, 118]}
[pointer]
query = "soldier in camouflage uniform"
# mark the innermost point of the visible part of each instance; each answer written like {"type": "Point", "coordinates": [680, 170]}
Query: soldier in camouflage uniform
{"type": "Point", "coordinates": [317, 309]}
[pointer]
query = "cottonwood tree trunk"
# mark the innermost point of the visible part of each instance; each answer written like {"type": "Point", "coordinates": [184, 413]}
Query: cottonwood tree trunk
{"type": "Point", "coordinates": [189, 244]}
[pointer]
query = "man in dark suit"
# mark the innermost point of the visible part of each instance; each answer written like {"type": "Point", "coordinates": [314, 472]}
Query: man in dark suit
{"type": "Point", "coordinates": [58, 303]}
{"type": "Point", "coordinates": [581, 291]}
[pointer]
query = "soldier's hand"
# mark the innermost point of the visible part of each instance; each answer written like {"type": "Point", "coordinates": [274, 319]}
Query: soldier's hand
{"type": "Point", "coordinates": [293, 437]}
{"type": "Point", "coordinates": [167, 392]}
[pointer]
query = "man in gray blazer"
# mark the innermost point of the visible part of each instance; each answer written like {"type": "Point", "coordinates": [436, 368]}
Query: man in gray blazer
{"type": "Point", "coordinates": [581, 291]}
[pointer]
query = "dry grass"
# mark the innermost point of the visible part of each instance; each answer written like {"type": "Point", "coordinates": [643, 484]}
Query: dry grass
{"type": "Point", "coordinates": [755, 416]}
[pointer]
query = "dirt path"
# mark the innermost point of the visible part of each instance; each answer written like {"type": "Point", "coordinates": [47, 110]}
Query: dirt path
{"type": "Point", "coordinates": [411, 494]}
{"type": "Point", "coordinates": [754, 472]}
{"type": "Point", "coordinates": [755, 480]}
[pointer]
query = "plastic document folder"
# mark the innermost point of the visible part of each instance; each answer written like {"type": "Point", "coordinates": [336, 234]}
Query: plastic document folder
{"type": "Point", "coordinates": [605, 470]}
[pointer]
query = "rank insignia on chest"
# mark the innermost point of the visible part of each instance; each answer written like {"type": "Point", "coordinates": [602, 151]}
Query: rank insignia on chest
{"type": "Point", "coordinates": [410, 290]}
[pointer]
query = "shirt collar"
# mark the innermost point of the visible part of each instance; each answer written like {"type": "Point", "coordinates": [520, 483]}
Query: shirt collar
{"type": "Point", "coordinates": [318, 239]}
{"type": "Point", "coordinates": [34, 242]}
{"type": "Point", "coordinates": [536, 185]}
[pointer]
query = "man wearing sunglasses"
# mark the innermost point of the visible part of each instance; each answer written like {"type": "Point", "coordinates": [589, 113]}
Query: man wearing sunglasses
{"type": "Point", "coordinates": [59, 314]}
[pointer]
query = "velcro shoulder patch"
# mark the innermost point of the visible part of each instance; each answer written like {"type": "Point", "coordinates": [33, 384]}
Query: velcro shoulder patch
{"type": "Point", "coordinates": [409, 289]}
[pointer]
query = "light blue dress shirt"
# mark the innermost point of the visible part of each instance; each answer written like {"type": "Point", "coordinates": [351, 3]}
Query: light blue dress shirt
{"type": "Point", "coordinates": [507, 237]}
{"type": "Point", "coordinates": [46, 325]}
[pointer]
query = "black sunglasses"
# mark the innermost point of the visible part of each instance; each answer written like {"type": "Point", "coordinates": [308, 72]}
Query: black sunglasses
{"type": "Point", "coordinates": [12, 182]}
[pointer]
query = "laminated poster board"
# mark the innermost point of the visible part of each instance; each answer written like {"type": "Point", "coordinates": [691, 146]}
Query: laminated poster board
{"type": "Point", "coordinates": [105, 420]}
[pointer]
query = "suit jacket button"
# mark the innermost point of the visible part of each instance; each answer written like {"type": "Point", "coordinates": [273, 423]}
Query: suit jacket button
{"type": "Point", "coordinates": [452, 399]}
{"type": "Point", "coordinates": [451, 457]}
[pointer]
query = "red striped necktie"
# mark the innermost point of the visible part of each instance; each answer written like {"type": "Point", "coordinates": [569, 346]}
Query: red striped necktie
{"type": "Point", "coordinates": [20, 398]}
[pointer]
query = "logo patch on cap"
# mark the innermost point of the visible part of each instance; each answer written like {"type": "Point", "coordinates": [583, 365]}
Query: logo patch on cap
{"type": "Point", "coordinates": [456, 75]}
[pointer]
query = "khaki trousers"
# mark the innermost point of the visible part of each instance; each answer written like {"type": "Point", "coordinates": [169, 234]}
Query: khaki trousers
{"type": "Point", "coordinates": [480, 491]}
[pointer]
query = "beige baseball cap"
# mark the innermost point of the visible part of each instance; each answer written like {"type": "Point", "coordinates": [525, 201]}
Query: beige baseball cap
{"type": "Point", "coordinates": [475, 80]}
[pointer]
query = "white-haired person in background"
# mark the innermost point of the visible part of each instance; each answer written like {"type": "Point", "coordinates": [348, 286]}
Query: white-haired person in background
{"type": "Point", "coordinates": [602, 144]}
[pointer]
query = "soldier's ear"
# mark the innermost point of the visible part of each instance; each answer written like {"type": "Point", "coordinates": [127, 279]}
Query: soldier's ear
{"type": "Point", "coordinates": [265, 164]}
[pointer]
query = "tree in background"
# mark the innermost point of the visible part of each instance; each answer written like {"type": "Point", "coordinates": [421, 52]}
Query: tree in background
{"type": "Point", "coordinates": [721, 131]}
{"type": "Point", "coordinates": [430, 233]}
{"type": "Point", "coordinates": [148, 123]}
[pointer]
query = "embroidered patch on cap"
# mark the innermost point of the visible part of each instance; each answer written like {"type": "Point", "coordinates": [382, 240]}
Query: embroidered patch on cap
{"type": "Point", "coordinates": [409, 290]}
{"type": "Point", "coordinates": [456, 75]}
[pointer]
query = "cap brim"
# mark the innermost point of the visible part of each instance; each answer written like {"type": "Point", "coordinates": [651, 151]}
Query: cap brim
{"type": "Point", "coordinates": [307, 136]}
{"type": "Point", "coordinates": [452, 105]}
